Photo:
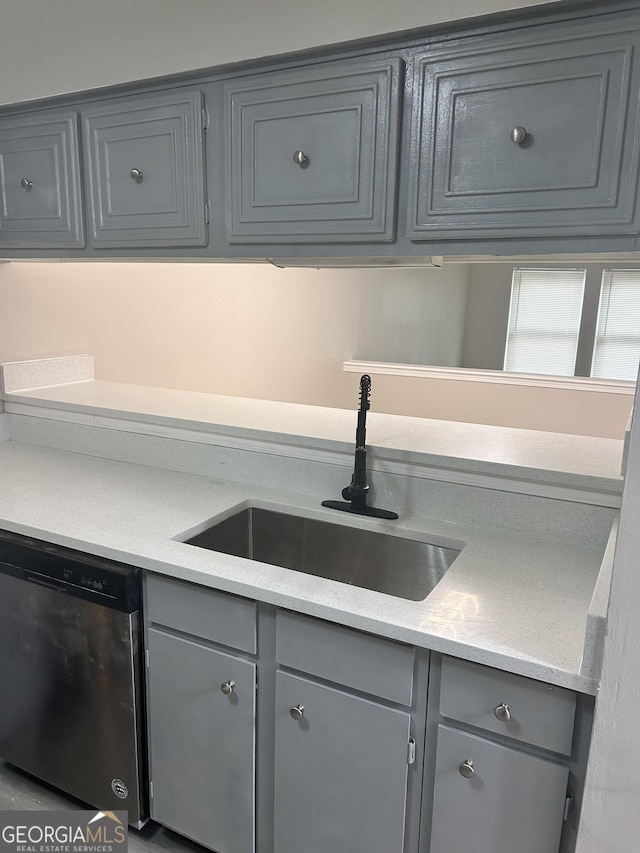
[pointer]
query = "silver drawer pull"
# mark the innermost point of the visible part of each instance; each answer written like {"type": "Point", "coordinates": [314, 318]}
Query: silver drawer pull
{"type": "Point", "coordinates": [26, 184]}
{"type": "Point", "coordinates": [137, 175]}
{"type": "Point", "coordinates": [300, 158]}
{"type": "Point", "coordinates": [297, 712]}
{"type": "Point", "coordinates": [502, 712]}
{"type": "Point", "coordinates": [467, 769]}
{"type": "Point", "coordinates": [518, 135]}
{"type": "Point", "coordinates": [227, 687]}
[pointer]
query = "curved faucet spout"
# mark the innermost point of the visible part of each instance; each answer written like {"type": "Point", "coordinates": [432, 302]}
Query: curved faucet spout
{"type": "Point", "coordinates": [355, 494]}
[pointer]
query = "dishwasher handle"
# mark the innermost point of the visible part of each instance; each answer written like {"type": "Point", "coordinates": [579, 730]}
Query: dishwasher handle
{"type": "Point", "coordinates": [50, 583]}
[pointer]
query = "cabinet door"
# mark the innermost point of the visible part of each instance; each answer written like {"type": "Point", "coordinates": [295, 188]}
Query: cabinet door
{"type": "Point", "coordinates": [145, 171]}
{"type": "Point", "coordinates": [40, 200]}
{"type": "Point", "coordinates": [512, 802]}
{"type": "Point", "coordinates": [201, 742]}
{"type": "Point", "coordinates": [527, 139]}
{"type": "Point", "coordinates": [340, 771]}
{"type": "Point", "coordinates": [311, 155]}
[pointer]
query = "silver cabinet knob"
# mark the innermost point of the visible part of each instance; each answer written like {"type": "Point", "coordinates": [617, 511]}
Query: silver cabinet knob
{"type": "Point", "coordinates": [26, 184]}
{"type": "Point", "coordinates": [137, 176]}
{"type": "Point", "coordinates": [300, 158]}
{"type": "Point", "coordinates": [502, 712]}
{"type": "Point", "coordinates": [297, 712]}
{"type": "Point", "coordinates": [467, 769]}
{"type": "Point", "coordinates": [518, 135]}
{"type": "Point", "coordinates": [227, 687]}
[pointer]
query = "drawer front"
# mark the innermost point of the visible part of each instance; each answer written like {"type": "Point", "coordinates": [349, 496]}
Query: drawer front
{"type": "Point", "coordinates": [360, 661]}
{"type": "Point", "coordinates": [202, 612]}
{"type": "Point", "coordinates": [512, 801]}
{"type": "Point", "coordinates": [573, 173]}
{"type": "Point", "coordinates": [40, 200]}
{"type": "Point", "coordinates": [538, 714]}
{"type": "Point", "coordinates": [146, 171]}
{"type": "Point", "coordinates": [311, 157]}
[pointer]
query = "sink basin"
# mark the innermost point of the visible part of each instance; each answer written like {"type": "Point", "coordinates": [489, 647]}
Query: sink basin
{"type": "Point", "coordinates": [378, 561]}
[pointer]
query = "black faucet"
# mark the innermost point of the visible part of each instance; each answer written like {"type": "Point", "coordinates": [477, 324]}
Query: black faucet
{"type": "Point", "coordinates": [355, 494]}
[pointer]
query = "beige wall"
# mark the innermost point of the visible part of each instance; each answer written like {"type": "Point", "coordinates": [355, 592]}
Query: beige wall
{"type": "Point", "coordinates": [241, 329]}
{"type": "Point", "coordinates": [257, 331]}
{"type": "Point", "coordinates": [555, 410]}
{"type": "Point", "coordinates": [48, 48]}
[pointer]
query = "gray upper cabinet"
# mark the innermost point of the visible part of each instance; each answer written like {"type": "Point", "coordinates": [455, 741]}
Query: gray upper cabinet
{"type": "Point", "coordinates": [516, 136]}
{"type": "Point", "coordinates": [527, 134]}
{"type": "Point", "coordinates": [311, 154]}
{"type": "Point", "coordinates": [145, 170]}
{"type": "Point", "coordinates": [40, 181]}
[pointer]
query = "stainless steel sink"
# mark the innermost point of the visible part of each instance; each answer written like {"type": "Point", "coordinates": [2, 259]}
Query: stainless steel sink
{"type": "Point", "coordinates": [377, 561]}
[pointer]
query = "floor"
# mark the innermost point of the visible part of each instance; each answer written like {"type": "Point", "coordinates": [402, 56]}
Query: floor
{"type": "Point", "coordinates": [19, 791]}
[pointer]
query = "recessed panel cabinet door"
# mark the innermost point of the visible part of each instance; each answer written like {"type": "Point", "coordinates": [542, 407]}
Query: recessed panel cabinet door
{"type": "Point", "coordinates": [526, 140]}
{"type": "Point", "coordinates": [490, 797]}
{"type": "Point", "coordinates": [311, 154]}
{"type": "Point", "coordinates": [202, 742]}
{"type": "Point", "coordinates": [340, 771]}
{"type": "Point", "coordinates": [41, 203]}
{"type": "Point", "coordinates": [145, 171]}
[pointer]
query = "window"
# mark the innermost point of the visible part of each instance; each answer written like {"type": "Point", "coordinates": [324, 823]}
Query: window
{"type": "Point", "coordinates": [544, 321]}
{"type": "Point", "coordinates": [617, 344]}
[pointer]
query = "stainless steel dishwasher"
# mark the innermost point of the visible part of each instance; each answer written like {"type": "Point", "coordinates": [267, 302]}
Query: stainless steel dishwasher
{"type": "Point", "coordinates": [71, 691]}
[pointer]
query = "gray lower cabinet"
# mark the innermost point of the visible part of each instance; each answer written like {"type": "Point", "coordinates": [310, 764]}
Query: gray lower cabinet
{"type": "Point", "coordinates": [490, 797]}
{"type": "Point", "coordinates": [145, 167]}
{"type": "Point", "coordinates": [311, 154]}
{"type": "Point", "coordinates": [309, 737]}
{"type": "Point", "coordinates": [201, 711]}
{"type": "Point", "coordinates": [202, 741]}
{"type": "Point", "coordinates": [340, 770]}
{"type": "Point", "coordinates": [527, 134]}
{"type": "Point", "coordinates": [349, 739]}
{"type": "Point", "coordinates": [40, 193]}
{"type": "Point", "coordinates": [507, 766]}
{"type": "Point", "coordinates": [276, 732]}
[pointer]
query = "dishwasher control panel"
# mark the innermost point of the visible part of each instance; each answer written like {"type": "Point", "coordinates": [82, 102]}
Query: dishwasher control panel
{"type": "Point", "coordinates": [107, 582]}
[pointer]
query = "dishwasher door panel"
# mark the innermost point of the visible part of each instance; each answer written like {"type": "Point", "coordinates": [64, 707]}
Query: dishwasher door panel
{"type": "Point", "coordinates": [70, 704]}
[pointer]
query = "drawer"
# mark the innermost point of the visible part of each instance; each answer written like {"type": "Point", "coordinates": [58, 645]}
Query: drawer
{"type": "Point", "coordinates": [360, 661]}
{"type": "Point", "coordinates": [202, 612]}
{"type": "Point", "coordinates": [538, 714]}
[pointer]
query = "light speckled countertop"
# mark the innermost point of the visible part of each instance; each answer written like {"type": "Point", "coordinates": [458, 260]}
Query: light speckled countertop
{"type": "Point", "coordinates": [509, 600]}
{"type": "Point", "coordinates": [521, 596]}
{"type": "Point", "coordinates": [569, 460]}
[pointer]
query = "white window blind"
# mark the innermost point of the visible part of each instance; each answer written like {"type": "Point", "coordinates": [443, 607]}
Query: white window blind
{"type": "Point", "coordinates": [544, 321]}
{"type": "Point", "coordinates": [617, 346]}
